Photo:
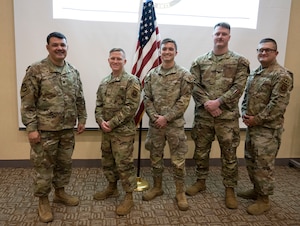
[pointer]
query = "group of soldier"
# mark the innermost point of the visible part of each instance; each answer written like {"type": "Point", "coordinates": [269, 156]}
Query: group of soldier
{"type": "Point", "coordinates": [52, 103]}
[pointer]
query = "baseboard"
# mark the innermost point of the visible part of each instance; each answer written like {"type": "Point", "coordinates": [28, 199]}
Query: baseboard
{"type": "Point", "coordinates": [94, 163]}
{"type": "Point", "coordinates": [294, 163]}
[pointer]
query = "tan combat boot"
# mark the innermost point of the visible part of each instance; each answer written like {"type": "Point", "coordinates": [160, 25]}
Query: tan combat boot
{"type": "Point", "coordinates": [60, 196]}
{"type": "Point", "coordinates": [230, 199]}
{"type": "Point", "coordinates": [261, 205]}
{"type": "Point", "coordinates": [125, 207]}
{"type": "Point", "coordinates": [248, 194]}
{"type": "Point", "coordinates": [198, 186]}
{"type": "Point", "coordinates": [155, 191]}
{"type": "Point", "coordinates": [110, 191]}
{"type": "Point", "coordinates": [45, 211]}
{"type": "Point", "coordinates": [180, 196]}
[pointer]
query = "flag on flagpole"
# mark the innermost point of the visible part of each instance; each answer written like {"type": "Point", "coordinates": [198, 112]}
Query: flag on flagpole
{"type": "Point", "coordinates": [146, 55]}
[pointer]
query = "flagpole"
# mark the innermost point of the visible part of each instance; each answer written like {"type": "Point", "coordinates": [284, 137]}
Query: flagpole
{"type": "Point", "coordinates": [146, 57]}
{"type": "Point", "coordinates": [141, 183]}
{"type": "Point", "coordinates": [139, 149]}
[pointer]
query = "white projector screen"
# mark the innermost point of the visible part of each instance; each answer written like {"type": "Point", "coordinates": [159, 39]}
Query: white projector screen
{"type": "Point", "coordinates": [91, 33]}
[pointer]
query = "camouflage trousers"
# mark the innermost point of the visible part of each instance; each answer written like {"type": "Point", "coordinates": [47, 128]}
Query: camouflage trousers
{"type": "Point", "coordinates": [52, 160]}
{"type": "Point", "coordinates": [261, 148]}
{"type": "Point", "coordinates": [177, 141]}
{"type": "Point", "coordinates": [117, 160]}
{"type": "Point", "coordinates": [227, 132]}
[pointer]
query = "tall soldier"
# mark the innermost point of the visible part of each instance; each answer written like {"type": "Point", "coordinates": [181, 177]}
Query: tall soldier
{"type": "Point", "coordinates": [220, 78]}
{"type": "Point", "coordinates": [168, 89]}
{"type": "Point", "coordinates": [118, 98]}
{"type": "Point", "coordinates": [266, 99]}
{"type": "Point", "coordinates": [52, 102]}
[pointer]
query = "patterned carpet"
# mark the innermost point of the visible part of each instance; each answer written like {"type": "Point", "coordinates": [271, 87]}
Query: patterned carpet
{"type": "Point", "coordinates": [19, 207]}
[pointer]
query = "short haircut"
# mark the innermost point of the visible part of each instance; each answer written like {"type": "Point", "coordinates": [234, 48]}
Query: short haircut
{"type": "Point", "coordinates": [118, 50]}
{"type": "Point", "coordinates": [56, 35]}
{"type": "Point", "coordinates": [166, 40]}
{"type": "Point", "coordinates": [223, 24]}
{"type": "Point", "coordinates": [264, 40]}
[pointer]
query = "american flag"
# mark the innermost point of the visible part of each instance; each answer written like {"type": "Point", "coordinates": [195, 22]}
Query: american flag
{"type": "Point", "coordinates": [147, 50]}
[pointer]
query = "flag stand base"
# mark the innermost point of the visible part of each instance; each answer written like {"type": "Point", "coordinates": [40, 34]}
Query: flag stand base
{"type": "Point", "coordinates": [142, 185]}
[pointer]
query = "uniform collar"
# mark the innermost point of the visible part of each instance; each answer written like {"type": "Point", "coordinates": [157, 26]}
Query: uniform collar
{"type": "Point", "coordinates": [54, 68]}
{"type": "Point", "coordinates": [165, 72]}
{"type": "Point", "coordinates": [211, 55]}
{"type": "Point", "coordinates": [116, 78]}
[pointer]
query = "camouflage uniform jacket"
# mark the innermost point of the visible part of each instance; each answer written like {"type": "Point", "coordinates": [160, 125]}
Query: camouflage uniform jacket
{"type": "Point", "coordinates": [267, 95]}
{"type": "Point", "coordinates": [117, 101]}
{"type": "Point", "coordinates": [51, 97]}
{"type": "Point", "coordinates": [168, 93]}
{"type": "Point", "coordinates": [221, 77]}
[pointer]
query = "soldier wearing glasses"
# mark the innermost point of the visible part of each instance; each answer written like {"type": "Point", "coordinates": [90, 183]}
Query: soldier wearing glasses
{"type": "Point", "coordinates": [266, 98]}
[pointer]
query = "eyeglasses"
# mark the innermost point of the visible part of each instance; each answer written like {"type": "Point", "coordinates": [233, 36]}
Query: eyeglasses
{"type": "Point", "coordinates": [266, 50]}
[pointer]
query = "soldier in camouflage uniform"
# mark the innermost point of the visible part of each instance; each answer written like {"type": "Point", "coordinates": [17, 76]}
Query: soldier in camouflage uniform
{"type": "Point", "coordinates": [118, 98]}
{"type": "Point", "coordinates": [52, 102]}
{"type": "Point", "coordinates": [266, 98]}
{"type": "Point", "coordinates": [220, 78]}
{"type": "Point", "coordinates": [167, 90]}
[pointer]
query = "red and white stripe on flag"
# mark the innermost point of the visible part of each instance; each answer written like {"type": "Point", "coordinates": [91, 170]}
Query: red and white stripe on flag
{"type": "Point", "coordinates": [147, 50]}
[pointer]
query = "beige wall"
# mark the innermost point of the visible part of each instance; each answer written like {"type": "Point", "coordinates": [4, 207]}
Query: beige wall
{"type": "Point", "coordinates": [14, 145]}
